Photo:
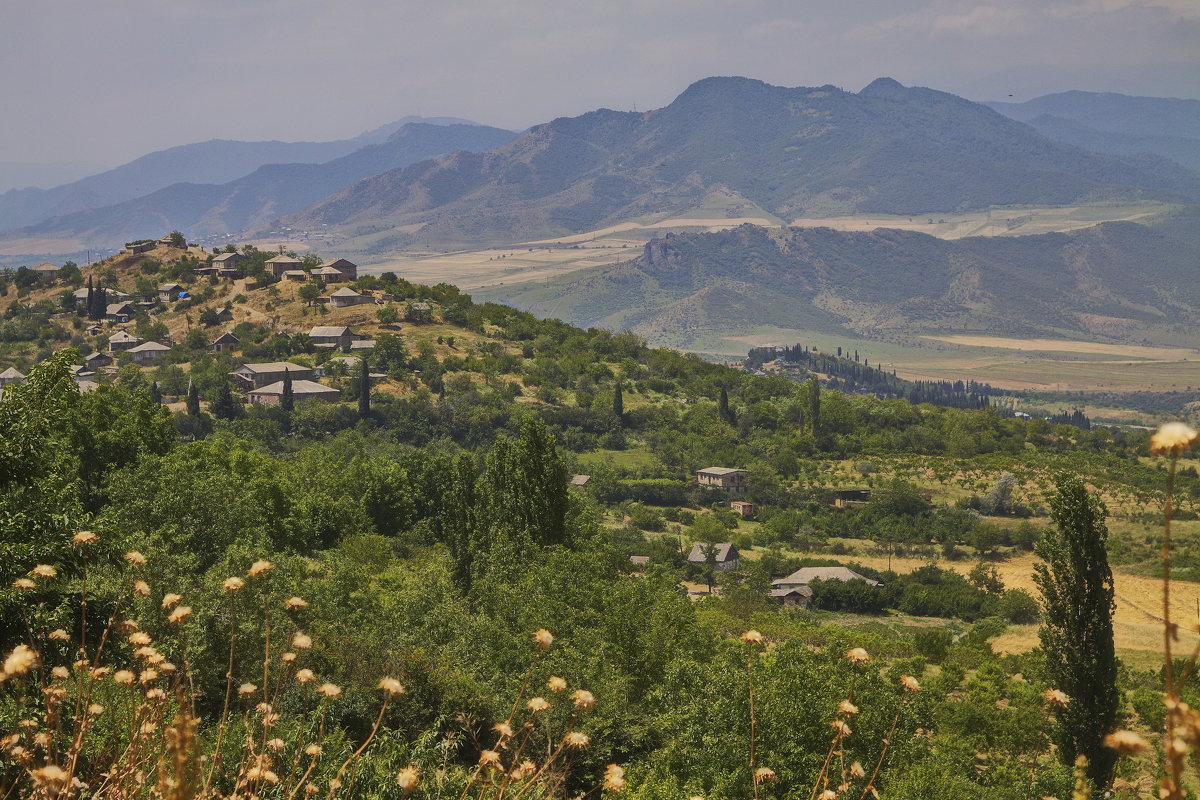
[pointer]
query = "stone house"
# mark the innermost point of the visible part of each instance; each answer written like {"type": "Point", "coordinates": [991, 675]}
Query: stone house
{"type": "Point", "coordinates": [148, 352]}
{"type": "Point", "coordinates": [225, 343]}
{"type": "Point", "coordinates": [302, 390]}
{"type": "Point", "coordinates": [333, 336]}
{"type": "Point", "coordinates": [256, 376]}
{"type": "Point", "coordinates": [725, 478]}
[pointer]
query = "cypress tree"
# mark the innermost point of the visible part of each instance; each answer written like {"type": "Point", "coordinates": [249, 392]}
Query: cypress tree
{"type": "Point", "coordinates": [223, 404]}
{"type": "Point", "coordinates": [1077, 634]}
{"type": "Point", "coordinates": [156, 393]}
{"type": "Point", "coordinates": [193, 400]}
{"type": "Point", "coordinates": [364, 389]}
{"type": "Point", "coordinates": [723, 407]}
{"type": "Point", "coordinates": [89, 304]}
{"type": "Point", "coordinates": [286, 401]}
{"type": "Point", "coordinates": [618, 404]}
{"type": "Point", "coordinates": [814, 404]}
{"type": "Point", "coordinates": [457, 520]}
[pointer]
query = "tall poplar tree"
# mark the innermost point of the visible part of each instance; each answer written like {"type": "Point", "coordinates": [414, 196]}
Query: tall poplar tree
{"type": "Point", "coordinates": [618, 404]}
{"type": "Point", "coordinates": [91, 299]}
{"type": "Point", "coordinates": [1077, 634]}
{"type": "Point", "coordinates": [364, 389]}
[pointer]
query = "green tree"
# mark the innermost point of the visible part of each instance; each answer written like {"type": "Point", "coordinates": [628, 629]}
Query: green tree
{"type": "Point", "coordinates": [222, 403]}
{"type": "Point", "coordinates": [724, 409]}
{"type": "Point", "coordinates": [364, 389]}
{"type": "Point", "coordinates": [286, 400]}
{"type": "Point", "coordinates": [387, 315]}
{"type": "Point", "coordinates": [310, 291]}
{"type": "Point", "coordinates": [193, 400]}
{"type": "Point", "coordinates": [814, 404]}
{"type": "Point", "coordinates": [618, 404]}
{"type": "Point", "coordinates": [1077, 635]}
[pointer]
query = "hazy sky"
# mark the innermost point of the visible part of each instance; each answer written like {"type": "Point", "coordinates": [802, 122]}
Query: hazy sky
{"type": "Point", "coordinates": [109, 81]}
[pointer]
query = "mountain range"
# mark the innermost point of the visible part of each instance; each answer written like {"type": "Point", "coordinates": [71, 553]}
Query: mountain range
{"type": "Point", "coordinates": [265, 194]}
{"type": "Point", "coordinates": [1115, 123]}
{"type": "Point", "coordinates": [1117, 281]}
{"type": "Point", "coordinates": [216, 161]}
{"type": "Point", "coordinates": [768, 151]}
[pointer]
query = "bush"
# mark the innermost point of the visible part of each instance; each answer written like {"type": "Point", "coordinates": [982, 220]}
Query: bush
{"type": "Point", "coordinates": [647, 519]}
{"type": "Point", "coordinates": [933, 643]}
{"type": "Point", "coordinates": [1019, 607]}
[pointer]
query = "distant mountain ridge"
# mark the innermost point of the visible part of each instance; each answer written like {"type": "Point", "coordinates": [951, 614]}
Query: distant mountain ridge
{"type": "Point", "coordinates": [216, 161]}
{"type": "Point", "coordinates": [1119, 281]}
{"type": "Point", "coordinates": [776, 151]}
{"type": "Point", "coordinates": [1115, 123]}
{"type": "Point", "coordinates": [266, 193]}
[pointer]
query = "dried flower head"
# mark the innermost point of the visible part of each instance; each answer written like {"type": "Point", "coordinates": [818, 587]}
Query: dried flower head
{"type": "Point", "coordinates": [123, 677]}
{"type": "Point", "coordinates": [179, 615]}
{"type": "Point", "coordinates": [128, 625]}
{"type": "Point", "coordinates": [313, 750]}
{"type": "Point", "coordinates": [764, 775]}
{"type": "Point", "coordinates": [148, 676]}
{"type": "Point", "coordinates": [577, 739]}
{"type": "Point", "coordinates": [141, 588]}
{"type": "Point", "coordinates": [543, 638]}
{"type": "Point", "coordinates": [59, 635]}
{"type": "Point", "coordinates": [135, 558]}
{"type": "Point", "coordinates": [329, 690]}
{"type": "Point", "coordinates": [247, 689]}
{"type": "Point", "coordinates": [84, 538]}
{"type": "Point", "coordinates": [408, 778]}
{"type": "Point", "coordinates": [856, 769]}
{"type": "Point", "coordinates": [301, 641]}
{"type": "Point", "coordinates": [752, 637]}
{"type": "Point", "coordinates": [504, 729]}
{"type": "Point", "coordinates": [95, 709]}
{"type": "Point", "coordinates": [19, 661]}
{"type": "Point", "coordinates": [233, 584]}
{"type": "Point", "coordinates": [583, 699]}
{"type": "Point", "coordinates": [276, 744]}
{"type": "Point", "coordinates": [24, 584]}
{"type": "Point", "coordinates": [840, 728]}
{"type": "Point", "coordinates": [828, 794]}
{"type": "Point", "coordinates": [170, 599]}
{"type": "Point", "coordinates": [614, 778]}
{"type": "Point", "coordinates": [49, 779]}
{"type": "Point", "coordinates": [857, 655]}
{"type": "Point", "coordinates": [522, 770]}
{"type": "Point", "coordinates": [139, 638]}
{"type": "Point", "coordinates": [1056, 697]}
{"type": "Point", "coordinates": [44, 571]}
{"type": "Point", "coordinates": [847, 708]}
{"type": "Point", "coordinates": [1172, 439]}
{"type": "Point", "coordinates": [556, 684]}
{"type": "Point", "coordinates": [156, 694]}
{"type": "Point", "coordinates": [909, 683]}
{"type": "Point", "coordinates": [61, 673]}
{"type": "Point", "coordinates": [1127, 743]}
{"type": "Point", "coordinates": [391, 686]}
{"type": "Point", "coordinates": [288, 657]}
{"type": "Point", "coordinates": [260, 568]}
{"type": "Point", "coordinates": [489, 758]}
{"type": "Point", "coordinates": [295, 604]}
{"type": "Point", "coordinates": [305, 676]}
{"type": "Point", "coordinates": [537, 705]}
